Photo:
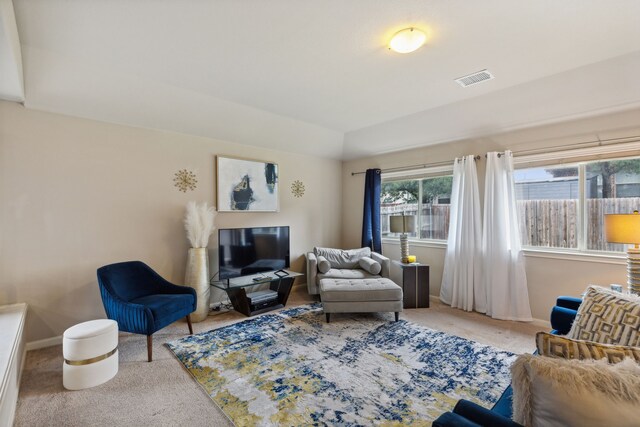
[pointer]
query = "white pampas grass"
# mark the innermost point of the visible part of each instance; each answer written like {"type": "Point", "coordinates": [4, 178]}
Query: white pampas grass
{"type": "Point", "coordinates": [198, 222]}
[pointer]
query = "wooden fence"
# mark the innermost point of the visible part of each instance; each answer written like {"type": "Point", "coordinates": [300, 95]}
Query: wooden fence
{"type": "Point", "coordinates": [547, 223]}
{"type": "Point", "coordinates": [435, 219]}
{"type": "Point", "coordinates": [596, 211]}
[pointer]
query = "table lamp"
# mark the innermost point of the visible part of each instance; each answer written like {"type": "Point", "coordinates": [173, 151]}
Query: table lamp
{"type": "Point", "coordinates": [403, 224]}
{"type": "Point", "coordinates": [625, 228]}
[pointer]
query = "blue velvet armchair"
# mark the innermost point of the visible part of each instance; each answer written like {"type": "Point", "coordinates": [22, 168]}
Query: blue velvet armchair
{"type": "Point", "coordinates": [468, 414]}
{"type": "Point", "coordinates": [141, 301]}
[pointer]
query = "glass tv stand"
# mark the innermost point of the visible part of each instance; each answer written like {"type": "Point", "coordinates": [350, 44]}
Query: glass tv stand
{"type": "Point", "coordinates": [252, 303]}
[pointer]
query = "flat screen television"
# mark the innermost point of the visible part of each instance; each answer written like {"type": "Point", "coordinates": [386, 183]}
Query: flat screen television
{"type": "Point", "coordinates": [245, 251]}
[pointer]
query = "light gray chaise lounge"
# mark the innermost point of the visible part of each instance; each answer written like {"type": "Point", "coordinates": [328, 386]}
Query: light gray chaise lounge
{"type": "Point", "coordinates": [352, 281]}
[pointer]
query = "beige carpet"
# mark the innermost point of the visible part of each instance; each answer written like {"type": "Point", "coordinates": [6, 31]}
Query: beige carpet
{"type": "Point", "coordinates": [162, 393]}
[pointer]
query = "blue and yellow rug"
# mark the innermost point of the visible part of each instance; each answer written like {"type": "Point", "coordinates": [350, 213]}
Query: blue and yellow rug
{"type": "Point", "coordinates": [293, 369]}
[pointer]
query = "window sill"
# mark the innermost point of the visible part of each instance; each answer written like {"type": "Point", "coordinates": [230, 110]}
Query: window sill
{"type": "Point", "coordinates": [569, 255]}
{"type": "Point", "coordinates": [572, 255]}
{"type": "Point", "coordinates": [439, 244]}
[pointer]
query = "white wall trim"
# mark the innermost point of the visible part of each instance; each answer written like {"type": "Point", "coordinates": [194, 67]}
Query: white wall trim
{"type": "Point", "coordinates": [47, 342]}
{"type": "Point", "coordinates": [602, 258]}
{"type": "Point", "coordinates": [418, 172]}
{"type": "Point", "coordinates": [566, 156]}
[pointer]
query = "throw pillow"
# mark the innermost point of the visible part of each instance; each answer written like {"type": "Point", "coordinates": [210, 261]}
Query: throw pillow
{"type": "Point", "coordinates": [567, 348]}
{"type": "Point", "coordinates": [339, 258]}
{"type": "Point", "coordinates": [607, 317]}
{"type": "Point", "coordinates": [323, 264]}
{"type": "Point", "coordinates": [370, 265]}
{"type": "Point", "coordinates": [553, 392]}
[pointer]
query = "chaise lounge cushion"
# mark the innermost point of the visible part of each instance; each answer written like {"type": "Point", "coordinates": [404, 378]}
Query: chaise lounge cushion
{"type": "Point", "coordinates": [323, 265]}
{"type": "Point", "coordinates": [370, 265]}
{"type": "Point", "coordinates": [375, 289]}
{"type": "Point", "coordinates": [336, 273]}
{"type": "Point", "coordinates": [339, 258]}
{"type": "Point", "coordinates": [344, 264]}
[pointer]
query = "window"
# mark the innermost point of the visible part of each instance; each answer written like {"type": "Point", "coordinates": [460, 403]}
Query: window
{"type": "Point", "coordinates": [564, 206]}
{"type": "Point", "coordinates": [610, 187]}
{"type": "Point", "coordinates": [548, 206]}
{"type": "Point", "coordinates": [428, 199]}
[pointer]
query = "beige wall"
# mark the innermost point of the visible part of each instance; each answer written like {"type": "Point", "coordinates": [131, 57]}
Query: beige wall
{"type": "Point", "coordinates": [547, 277]}
{"type": "Point", "coordinates": [77, 194]}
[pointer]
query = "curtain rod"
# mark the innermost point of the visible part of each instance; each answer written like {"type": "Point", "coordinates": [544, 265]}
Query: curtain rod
{"type": "Point", "coordinates": [422, 165]}
{"type": "Point", "coordinates": [596, 143]}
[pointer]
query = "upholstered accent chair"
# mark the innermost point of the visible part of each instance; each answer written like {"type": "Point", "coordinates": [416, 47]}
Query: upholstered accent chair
{"type": "Point", "coordinates": [352, 281]}
{"type": "Point", "coordinates": [467, 413]}
{"type": "Point", "coordinates": [342, 264]}
{"type": "Point", "coordinates": [141, 301]}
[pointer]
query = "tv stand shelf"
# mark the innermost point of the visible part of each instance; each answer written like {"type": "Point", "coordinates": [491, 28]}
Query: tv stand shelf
{"type": "Point", "coordinates": [236, 289]}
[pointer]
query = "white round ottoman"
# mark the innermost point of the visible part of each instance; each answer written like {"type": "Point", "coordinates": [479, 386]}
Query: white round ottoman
{"type": "Point", "coordinates": [90, 352]}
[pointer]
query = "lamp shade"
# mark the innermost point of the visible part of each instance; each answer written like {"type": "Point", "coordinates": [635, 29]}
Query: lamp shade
{"type": "Point", "coordinates": [402, 224]}
{"type": "Point", "coordinates": [622, 228]}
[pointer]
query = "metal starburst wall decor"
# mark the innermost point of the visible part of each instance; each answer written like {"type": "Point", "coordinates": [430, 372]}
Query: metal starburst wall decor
{"type": "Point", "coordinates": [297, 188]}
{"type": "Point", "coordinates": [185, 180]}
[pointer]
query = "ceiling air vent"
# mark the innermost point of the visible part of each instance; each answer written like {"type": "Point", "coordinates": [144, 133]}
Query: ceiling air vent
{"type": "Point", "coordinates": [474, 78]}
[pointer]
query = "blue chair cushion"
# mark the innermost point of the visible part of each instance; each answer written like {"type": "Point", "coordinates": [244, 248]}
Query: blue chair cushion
{"type": "Point", "coordinates": [449, 419]}
{"type": "Point", "coordinates": [569, 302]}
{"type": "Point", "coordinates": [561, 319]}
{"type": "Point", "coordinates": [166, 308]}
{"type": "Point", "coordinates": [485, 417]}
{"type": "Point", "coordinates": [504, 405]}
{"type": "Point", "coordinates": [134, 279]}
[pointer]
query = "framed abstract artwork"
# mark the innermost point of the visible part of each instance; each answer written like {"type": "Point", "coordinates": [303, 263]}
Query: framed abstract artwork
{"type": "Point", "coordinates": [247, 185]}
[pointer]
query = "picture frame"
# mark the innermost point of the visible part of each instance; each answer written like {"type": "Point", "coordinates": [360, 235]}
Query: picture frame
{"type": "Point", "coordinates": [246, 185]}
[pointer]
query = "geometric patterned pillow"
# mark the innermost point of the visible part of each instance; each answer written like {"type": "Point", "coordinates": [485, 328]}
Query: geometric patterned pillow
{"type": "Point", "coordinates": [567, 348]}
{"type": "Point", "coordinates": [607, 317]}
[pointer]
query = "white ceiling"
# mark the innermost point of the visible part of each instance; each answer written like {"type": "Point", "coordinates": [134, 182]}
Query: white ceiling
{"type": "Point", "coordinates": [316, 77]}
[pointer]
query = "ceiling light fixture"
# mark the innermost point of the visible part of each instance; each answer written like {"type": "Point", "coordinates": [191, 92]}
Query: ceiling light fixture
{"type": "Point", "coordinates": [407, 40]}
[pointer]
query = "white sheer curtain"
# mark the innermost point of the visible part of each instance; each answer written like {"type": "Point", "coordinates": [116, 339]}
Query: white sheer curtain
{"type": "Point", "coordinates": [504, 274]}
{"type": "Point", "coordinates": [461, 279]}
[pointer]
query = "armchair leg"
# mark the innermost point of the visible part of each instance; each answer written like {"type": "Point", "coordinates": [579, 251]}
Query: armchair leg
{"type": "Point", "coordinates": [397, 316]}
{"type": "Point", "coordinates": [189, 323]}
{"type": "Point", "coordinates": [328, 317]}
{"type": "Point", "coordinates": [149, 348]}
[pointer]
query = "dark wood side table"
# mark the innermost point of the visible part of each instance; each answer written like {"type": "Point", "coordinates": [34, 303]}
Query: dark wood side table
{"type": "Point", "coordinates": [414, 280]}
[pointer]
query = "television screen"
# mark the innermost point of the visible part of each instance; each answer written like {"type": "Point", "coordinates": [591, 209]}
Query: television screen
{"type": "Point", "coordinates": [245, 251]}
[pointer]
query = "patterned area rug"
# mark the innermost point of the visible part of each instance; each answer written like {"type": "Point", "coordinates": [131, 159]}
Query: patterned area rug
{"type": "Point", "coordinates": [293, 369]}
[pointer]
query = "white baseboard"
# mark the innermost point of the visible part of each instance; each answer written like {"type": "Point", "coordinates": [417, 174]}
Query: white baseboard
{"type": "Point", "coordinates": [47, 342]}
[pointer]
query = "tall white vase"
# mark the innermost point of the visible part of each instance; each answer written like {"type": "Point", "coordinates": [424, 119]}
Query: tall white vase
{"type": "Point", "coordinates": [197, 277]}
